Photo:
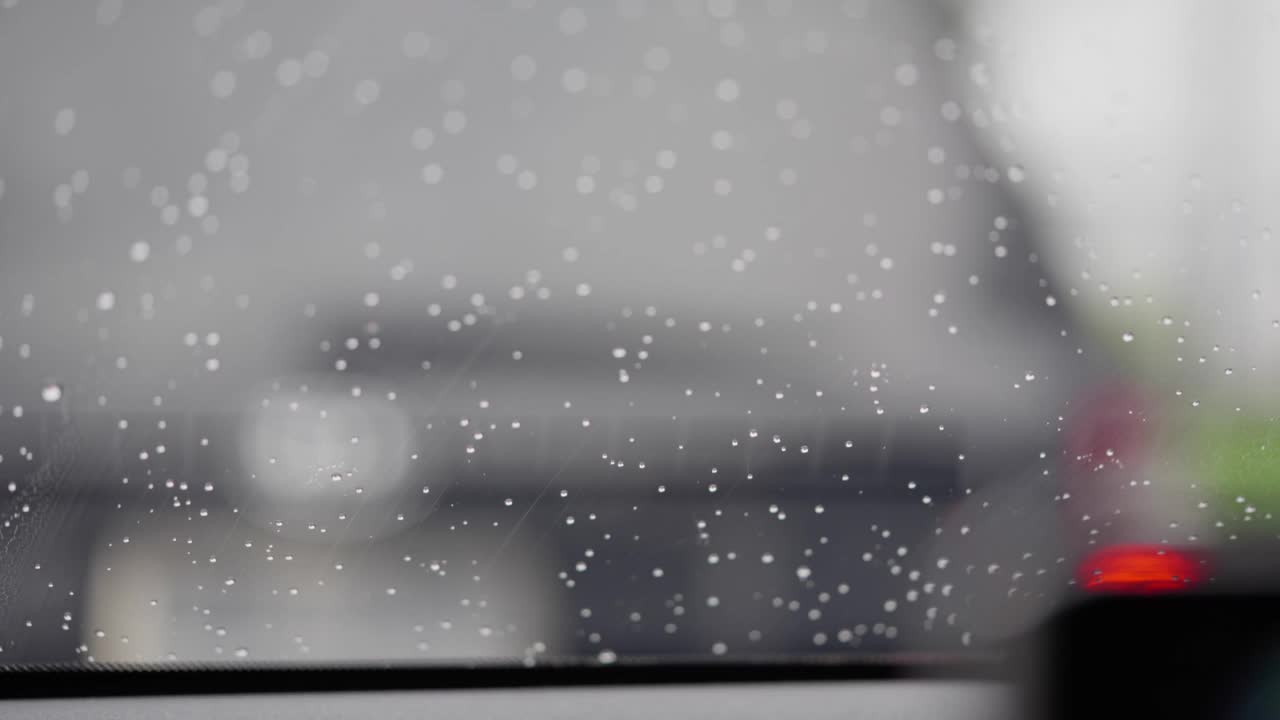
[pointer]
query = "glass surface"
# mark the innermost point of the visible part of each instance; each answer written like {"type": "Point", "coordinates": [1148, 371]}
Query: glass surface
{"type": "Point", "coordinates": [516, 330]}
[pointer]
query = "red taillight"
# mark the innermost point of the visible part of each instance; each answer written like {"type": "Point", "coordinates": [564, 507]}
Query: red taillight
{"type": "Point", "coordinates": [1140, 569]}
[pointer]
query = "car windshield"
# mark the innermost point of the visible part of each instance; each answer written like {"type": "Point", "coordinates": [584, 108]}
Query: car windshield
{"type": "Point", "coordinates": [520, 330]}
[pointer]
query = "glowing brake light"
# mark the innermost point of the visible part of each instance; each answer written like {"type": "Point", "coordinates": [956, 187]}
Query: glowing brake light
{"type": "Point", "coordinates": [1140, 569]}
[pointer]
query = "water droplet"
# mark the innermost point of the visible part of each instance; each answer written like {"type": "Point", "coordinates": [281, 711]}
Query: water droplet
{"type": "Point", "coordinates": [222, 84]}
{"type": "Point", "coordinates": [574, 80]}
{"type": "Point", "coordinates": [140, 251]}
{"type": "Point", "coordinates": [523, 68]}
{"type": "Point", "coordinates": [572, 21]}
{"type": "Point", "coordinates": [65, 121]}
{"type": "Point", "coordinates": [727, 90]}
{"type": "Point", "coordinates": [906, 75]}
{"type": "Point", "coordinates": [51, 393]}
{"type": "Point", "coordinates": [415, 45]}
{"type": "Point", "coordinates": [367, 92]}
